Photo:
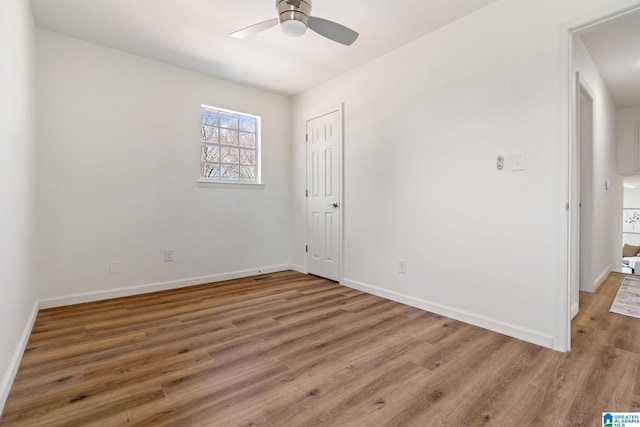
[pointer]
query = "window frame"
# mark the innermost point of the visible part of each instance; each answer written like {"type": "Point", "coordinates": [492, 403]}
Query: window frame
{"type": "Point", "coordinates": [219, 181]}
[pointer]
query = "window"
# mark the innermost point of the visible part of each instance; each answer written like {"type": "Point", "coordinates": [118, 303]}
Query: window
{"type": "Point", "coordinates": [230, 146]}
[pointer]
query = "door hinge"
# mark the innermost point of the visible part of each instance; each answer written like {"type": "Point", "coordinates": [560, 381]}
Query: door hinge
{"type": "Point", "coordinates": [306, 193]}
{"type": "Point", "coordinates": [306, 248]}
{"type": "Point", "coordinates": [567, 207]}
{"type": "Point", "coordinates": [306, 137]}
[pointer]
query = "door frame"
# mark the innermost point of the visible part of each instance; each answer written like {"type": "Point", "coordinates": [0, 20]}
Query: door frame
{"type": "Point", "coordinates": [583, 90]}
{"type": "Point", "coordinates": [568, 95]}
{"type": "Point", "coordinates": [319, 113]}
{"type": "Point", "coordinates": [577, 174]}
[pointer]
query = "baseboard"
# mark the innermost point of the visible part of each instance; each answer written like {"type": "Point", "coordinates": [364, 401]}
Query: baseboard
{"type": "Point", "coordinates": [298, 268]}
{"type": "Point", "coordinates": [155, 287]}
{"type": "Point", "coordinates": [601, 278]}
{"type": "Point", "coordinates": [514, 331]}
{"type": "Point", "coordinates": [14, 364]}
{"type": "Point", "coordinates": [574, 309]}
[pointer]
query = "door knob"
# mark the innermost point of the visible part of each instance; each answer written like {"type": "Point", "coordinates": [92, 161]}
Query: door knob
{"type": "Point", "coordinates": [333, 205]}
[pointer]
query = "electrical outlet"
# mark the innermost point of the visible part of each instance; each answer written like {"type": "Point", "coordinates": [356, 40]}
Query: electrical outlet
{"type": "Point", "coordinates": [168, 255]}
{"type": "Point", "coordinates": [402, 266]}
{"type": "Point", "coordinates": [114, 267]}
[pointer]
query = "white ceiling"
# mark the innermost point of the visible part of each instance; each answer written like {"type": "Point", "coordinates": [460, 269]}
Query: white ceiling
{"type": "Point", "coordinates": [614, 47]}
{"type": "Point", "coordinates": [194, 34]}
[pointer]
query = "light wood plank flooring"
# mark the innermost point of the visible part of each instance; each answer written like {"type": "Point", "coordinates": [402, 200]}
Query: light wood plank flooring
{"type": "Point", "coordinates": [287, 349]}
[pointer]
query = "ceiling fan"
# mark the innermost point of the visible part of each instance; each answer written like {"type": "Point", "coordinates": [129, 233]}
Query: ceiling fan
{"type": "Point", "coordinates": [294, 17]}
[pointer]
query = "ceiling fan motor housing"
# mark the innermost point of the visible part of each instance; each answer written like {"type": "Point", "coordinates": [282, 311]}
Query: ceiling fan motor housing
{"type": "Point", "coordinates": [294, 17]}
{"type": "Point", "coordinates": [297, 10]}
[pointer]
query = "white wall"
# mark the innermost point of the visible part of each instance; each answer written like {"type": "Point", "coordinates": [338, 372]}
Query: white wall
{"type": "Point", "coordinates": [606, 205]}
{"type": "Point", "coordinates": [627, 118]}
{"type": "Point", "coordinates": [632, 199]}
{"type": "Point", "coordinates": [118, 154]}
{"type": "Point", "coordinates": [423, 127]}
{"type": "Point", "coordinates": [17, 185]}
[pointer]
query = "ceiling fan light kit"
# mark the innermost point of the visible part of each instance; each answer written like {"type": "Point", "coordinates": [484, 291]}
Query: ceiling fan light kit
{"type": "Point", "coordinates": [293, 28]}
{"type": "Point", "coordinates": [294, 17]}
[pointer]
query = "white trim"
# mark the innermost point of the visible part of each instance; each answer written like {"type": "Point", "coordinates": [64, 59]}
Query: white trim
{"type": "Point", "coordinates": [226, 110]}
{"type": "Point", "coordinates": [636, 145]}
{"type": "Point", "coordinates": [514, 331]}
{"type": "Point", "coordinates": [155, 287]}
{"type": "Point", "coordinates": [561, 309]}
{"type": "Point", "coordinates": [205, 183]}
{"type": "Point", "coordinates": [342, 174]}
{"type": "Point", "coordinates": [605, 15]}
{"type": "Point", "coordinates": [298, 268]}
{"type": "Point", "coordinates": [14, 364]}
{"type": "Point", "coordinates": [575, 308]}
{"type": "Point", "coordinates": [601, 277]}
{"type": "Point", "coordinates": [324, 111]}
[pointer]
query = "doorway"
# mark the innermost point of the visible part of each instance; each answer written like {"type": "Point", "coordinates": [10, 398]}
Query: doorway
{"type": "Point", "coordinates": [631, 224]}
{"type": "Point", "coordinates": [324, 195]}
{"type": "Point", "coordinates": [584, 133]}
{"type": "Point", "coordinates": [582, 159]}
{"type": "Point", "coordinates": [597, 49]}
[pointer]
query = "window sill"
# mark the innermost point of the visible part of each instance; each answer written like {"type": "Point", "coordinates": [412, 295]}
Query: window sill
{"type": "Point", "coordinates": [203, 183]}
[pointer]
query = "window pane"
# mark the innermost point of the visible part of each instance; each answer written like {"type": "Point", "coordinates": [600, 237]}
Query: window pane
{"type": "Point", "coordinates": [228, 137]}
{"type": "Point", "coordinates": [209, 117]}
{"type": "Point", "coordinates": [209, 134]}
{"type": "Point", "coordinates": [247, 173]}
{"type": "Point", "coordinates": [248, 124]}
{"type": "Point", "coordinates": [248, 139]}
{"type": "Point", "coordinates": [248, 157]}
{"type": "Point", "coordinates": [230, 155]}
{"type": "Point", "coordinates": [228, 120]}
{"type": "Point", "coordinates": [228, 145]}
{"type": "Point", "coordinates": [230, 172]}
{"type": "Point", "coordinates": [210, 154]}
{"type": "Point", "coordinates": [211, 170]}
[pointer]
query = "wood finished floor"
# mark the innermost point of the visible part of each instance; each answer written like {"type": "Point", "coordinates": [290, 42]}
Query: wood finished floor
{"type": "Point", "coordinates": [292, 350]}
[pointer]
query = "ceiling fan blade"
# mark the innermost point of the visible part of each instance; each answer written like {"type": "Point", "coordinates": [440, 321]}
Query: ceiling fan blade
{"type": "Point", "coordinates": [255, 28]}
{"type": "Point", "coordinates": [333, 30]}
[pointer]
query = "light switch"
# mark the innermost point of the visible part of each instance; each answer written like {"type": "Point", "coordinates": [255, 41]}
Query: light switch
{"type": "Point", "coordinates": [114, 267]}
{"type": "Point", "coordinates": [518, 162]}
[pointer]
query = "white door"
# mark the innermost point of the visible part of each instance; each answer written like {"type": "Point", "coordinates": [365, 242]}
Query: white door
{"type": "Point", "coordinates": [323, 195]}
